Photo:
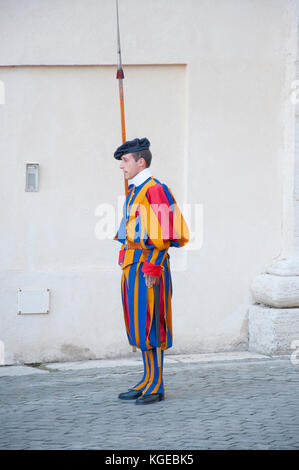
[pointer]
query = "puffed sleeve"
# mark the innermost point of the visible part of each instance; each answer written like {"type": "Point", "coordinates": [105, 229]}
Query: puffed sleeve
{"type": "Point", "coordinates": [163, 226]}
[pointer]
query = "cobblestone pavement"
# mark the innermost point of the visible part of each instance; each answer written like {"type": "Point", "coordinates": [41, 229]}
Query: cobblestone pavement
{"type": "Point", "coordinates": [237, 404]}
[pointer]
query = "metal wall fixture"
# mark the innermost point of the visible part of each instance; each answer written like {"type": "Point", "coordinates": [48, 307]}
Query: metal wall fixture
{"type": "Point", "coordinates": [32, 177]}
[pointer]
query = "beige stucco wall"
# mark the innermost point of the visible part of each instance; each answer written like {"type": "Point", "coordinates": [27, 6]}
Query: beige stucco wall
{"type": "Point", "coordinates": [206, 83]}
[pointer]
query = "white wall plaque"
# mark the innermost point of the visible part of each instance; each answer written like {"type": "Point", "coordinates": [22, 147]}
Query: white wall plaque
{"type": "Point", "coordinates": [32, 301]}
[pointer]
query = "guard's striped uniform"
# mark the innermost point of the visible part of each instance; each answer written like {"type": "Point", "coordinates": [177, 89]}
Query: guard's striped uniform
{"type": "Point", "coordinates": [151, 218]}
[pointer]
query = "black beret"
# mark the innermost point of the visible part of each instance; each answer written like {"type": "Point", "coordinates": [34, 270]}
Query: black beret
{"type": "Point", "coordinates": [132, 146]}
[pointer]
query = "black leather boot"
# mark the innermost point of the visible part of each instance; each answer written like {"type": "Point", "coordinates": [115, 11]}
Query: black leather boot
{"type": "Point", "coordinates": [130, 395]}
{"type": "Point", "coordinates": [151, 398]}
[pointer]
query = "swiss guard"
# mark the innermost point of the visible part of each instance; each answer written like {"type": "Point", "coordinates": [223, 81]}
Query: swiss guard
{"type": "Point", "coordinates": [151, 224]}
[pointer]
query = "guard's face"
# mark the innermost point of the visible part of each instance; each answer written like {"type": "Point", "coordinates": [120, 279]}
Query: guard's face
{"type": "Point", "coordinates": [129, 166]}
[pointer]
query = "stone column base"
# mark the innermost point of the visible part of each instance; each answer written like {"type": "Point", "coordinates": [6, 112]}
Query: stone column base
{"type": "Point", "coordinates": [273, 330]}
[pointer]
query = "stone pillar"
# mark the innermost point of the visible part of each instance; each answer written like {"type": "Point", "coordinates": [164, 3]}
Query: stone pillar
{"type": "Point", "coordinates": [274, 318]}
